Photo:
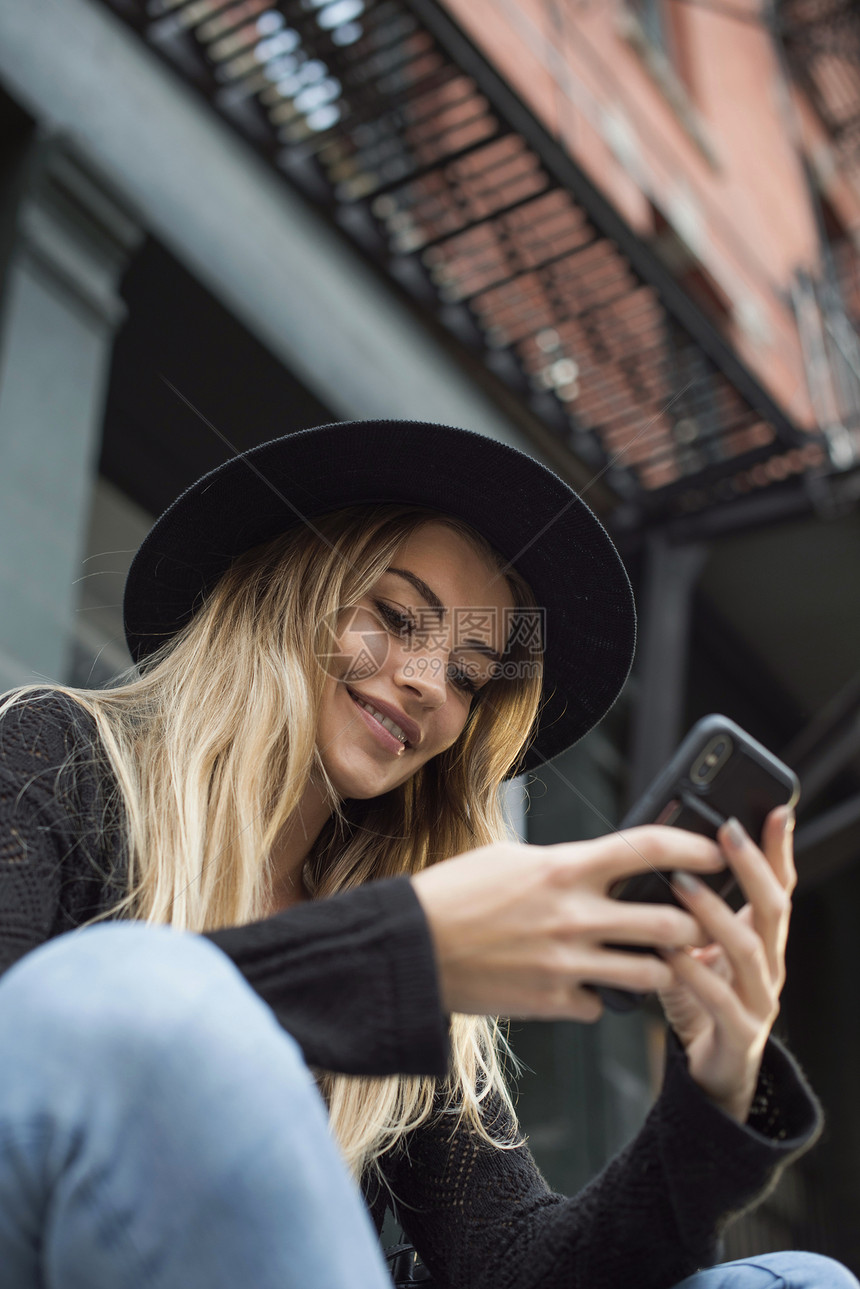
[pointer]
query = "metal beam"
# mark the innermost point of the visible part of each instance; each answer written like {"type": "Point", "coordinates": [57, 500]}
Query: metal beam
{"type": "Point", "coordinates": [829, 743]}
{"type": "Point", "coordinates": [828, 844]}
{"type": "Point", "coordinates": [665, 614]}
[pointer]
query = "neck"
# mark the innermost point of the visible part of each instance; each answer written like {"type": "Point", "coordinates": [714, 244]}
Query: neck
{"type": "Point", "coordinates": [294, 845]}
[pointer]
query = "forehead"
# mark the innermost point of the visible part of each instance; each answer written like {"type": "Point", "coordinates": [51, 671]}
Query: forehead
{"type": "Point", "coordinates": [457, 573]}
{"type": "Point", "coordinates": [455, 563]}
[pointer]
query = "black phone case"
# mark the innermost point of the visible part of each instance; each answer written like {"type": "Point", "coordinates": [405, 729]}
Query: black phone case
{"type": "Point", "coordinates": [749, 784]}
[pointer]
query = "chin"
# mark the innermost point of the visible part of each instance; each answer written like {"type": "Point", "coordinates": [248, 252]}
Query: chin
{"type": "Point", "coordinates": [362, 787]}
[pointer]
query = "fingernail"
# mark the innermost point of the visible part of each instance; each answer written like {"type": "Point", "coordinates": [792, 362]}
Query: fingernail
{"type": "Point", "coordinates": [789, 821]}
{"type": "Point", "coordinates": [686, 883]}
{"type": "Point", "coordinates": [736, 832]}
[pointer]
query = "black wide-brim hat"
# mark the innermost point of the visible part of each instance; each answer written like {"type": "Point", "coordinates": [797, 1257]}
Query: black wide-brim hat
{"type": "Point", "coordinates": [531, 516]}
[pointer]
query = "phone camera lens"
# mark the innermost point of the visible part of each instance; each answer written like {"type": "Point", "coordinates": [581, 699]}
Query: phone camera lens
{"type": "Point", "coordinates": [710, 761]}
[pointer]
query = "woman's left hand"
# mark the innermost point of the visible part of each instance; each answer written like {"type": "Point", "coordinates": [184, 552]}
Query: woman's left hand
{"type": "Point", "coordinates": [727, 994]}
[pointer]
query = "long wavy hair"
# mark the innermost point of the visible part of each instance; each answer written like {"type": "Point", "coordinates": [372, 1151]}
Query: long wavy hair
{"type": "Point", "coordinates": [212, 744]}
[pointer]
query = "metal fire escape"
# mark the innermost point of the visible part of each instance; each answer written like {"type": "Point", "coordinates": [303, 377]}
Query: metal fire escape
{"type": "Point", "coordinates": [389, 119]}
{"type": "Point", "coordinates": [822, 42]}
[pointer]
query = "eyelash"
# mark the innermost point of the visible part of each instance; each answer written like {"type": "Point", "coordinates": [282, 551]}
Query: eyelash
{"type": "Point", "coordinates": [401, 620]}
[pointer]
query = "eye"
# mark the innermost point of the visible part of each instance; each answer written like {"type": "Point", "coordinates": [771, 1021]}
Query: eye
{"type": "Point", "coordinates": [405, 626]}
{"type": "Point", "coordinates": [401, 622]}
{"type": "Point", "coordinates": [460, 678]}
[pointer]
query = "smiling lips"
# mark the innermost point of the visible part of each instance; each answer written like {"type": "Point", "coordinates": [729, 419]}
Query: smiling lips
{"type": "Point", "coordinates": [386, 729]}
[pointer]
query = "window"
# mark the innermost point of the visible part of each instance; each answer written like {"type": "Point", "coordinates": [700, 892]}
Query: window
{"type": "Point", "coordinates": [688, 272]}
{"type": "Point", "coordinates": [845, 260]}
{"type": "Point", "coordinates": [655, 23]}
{"type": "Point", "coordinates": [657, 31]}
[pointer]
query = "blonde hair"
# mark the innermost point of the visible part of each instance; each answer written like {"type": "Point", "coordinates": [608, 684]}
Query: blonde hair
{"type": "Point", "coordinates": [212, 744]}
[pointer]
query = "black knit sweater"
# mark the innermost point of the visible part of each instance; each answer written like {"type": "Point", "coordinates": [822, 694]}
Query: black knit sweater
{"type": "Point", "coordinates": [353, 979]}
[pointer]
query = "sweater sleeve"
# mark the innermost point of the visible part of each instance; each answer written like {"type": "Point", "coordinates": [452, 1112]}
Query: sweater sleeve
{"type": "Point", "coordinates": [352, 978]}
{"type": "Point", "coordinates": [40, 836]}
{"type": "Point", "coordinates": [485, 1217]}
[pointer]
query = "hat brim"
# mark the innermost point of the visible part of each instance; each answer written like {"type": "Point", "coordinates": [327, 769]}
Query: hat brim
{"type": "Point", "coordinates": [531, 516]}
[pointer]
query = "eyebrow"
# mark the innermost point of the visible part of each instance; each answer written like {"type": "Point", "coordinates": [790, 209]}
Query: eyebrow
{"type": "Point", "coordinates": [430, 597]}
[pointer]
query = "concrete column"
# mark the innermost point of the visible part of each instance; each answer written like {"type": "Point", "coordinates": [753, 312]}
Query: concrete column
{"type": "Point", "coordinates": [665, 609]}
{"type": "Point", "coordinates": [60, 309]}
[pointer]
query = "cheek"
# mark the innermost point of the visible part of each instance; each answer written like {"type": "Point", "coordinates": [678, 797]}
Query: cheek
{"type": "Point", "coordinates": [328, 713]}
{"type": "Point", "coordinates": [359, 645]}
{"type": "Point", "coordinates": [451, 723]}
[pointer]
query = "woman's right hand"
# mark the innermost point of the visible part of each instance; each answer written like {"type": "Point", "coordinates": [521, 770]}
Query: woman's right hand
{"type": "Point", "coordinates": [520, 930]}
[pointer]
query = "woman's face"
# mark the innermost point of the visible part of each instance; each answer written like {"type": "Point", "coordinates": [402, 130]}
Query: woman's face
{"type": "Point", "coordinates": [418, 648]}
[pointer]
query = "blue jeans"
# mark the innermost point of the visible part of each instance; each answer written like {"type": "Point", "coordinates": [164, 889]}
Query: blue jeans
{"type": "Point", "coordinates": [159, 1130]}
{"type": "Point", "coordinates": [774, 1271]}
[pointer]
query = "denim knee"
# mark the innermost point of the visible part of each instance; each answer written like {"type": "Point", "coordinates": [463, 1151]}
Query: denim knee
{"type": "Point", "coordinates": [793, 1269]}
{"type": "Point", "coordinates": [136, 985]}
{"type": "Point", "coordinates": [811, 1271]}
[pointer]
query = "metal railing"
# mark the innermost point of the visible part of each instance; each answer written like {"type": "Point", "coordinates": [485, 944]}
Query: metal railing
{"type": "Point", "coordinates": [822, 43]}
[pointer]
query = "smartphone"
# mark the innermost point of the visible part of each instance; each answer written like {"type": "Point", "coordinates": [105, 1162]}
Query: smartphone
{"type": "Point", "coordinates": [718, 771]}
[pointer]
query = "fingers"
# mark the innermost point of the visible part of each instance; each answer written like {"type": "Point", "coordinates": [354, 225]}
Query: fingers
{"type": "Point", "coordinates": [573, 995]}
{"type": "Point", "coordinates": [725, 996]}
{"type": "Point", "coordinates": [762, 876]}
{"type": "Point", "coordinates": [753, 868]}
{"type": "Point", "coordinates": [587, 1005]}
{"type": "Point", "coordinates": [778, 846]}
{"type": "Point", "coordinates": [636, 850]}
{"type": "Point", "coordinates": [641, 973]}
{"type": "Point", "coordinates": [716, 995]}
{"type": "Point", "coordinates": [608, 921]}
{"type": "Point", "coordinates": [713, 956]}
{"type": "Point", "coordinates": [752, 974]}
{"type": "Point", "coordinates": [723, 1038]}
{"type": "Point", "coordinates": [568, 971]}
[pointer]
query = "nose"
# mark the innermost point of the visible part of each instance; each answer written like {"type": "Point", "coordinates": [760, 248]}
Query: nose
{"type": "Point", "coordinates": [424, 667]}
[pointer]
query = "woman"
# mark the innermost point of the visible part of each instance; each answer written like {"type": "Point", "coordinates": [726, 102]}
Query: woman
{"type": "Point", "coordinates": [339, 667]}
